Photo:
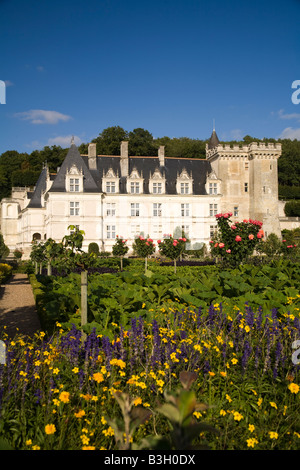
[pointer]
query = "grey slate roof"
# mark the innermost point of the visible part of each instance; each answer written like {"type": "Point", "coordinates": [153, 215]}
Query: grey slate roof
{"type": "Point", "coordinates": [35, 199]}
{"type": "Point", "coordinates": [92, 181]}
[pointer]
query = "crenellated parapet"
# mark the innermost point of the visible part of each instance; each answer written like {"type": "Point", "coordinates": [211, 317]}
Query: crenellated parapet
{"type": "Point", "coordinates": [253, 150]}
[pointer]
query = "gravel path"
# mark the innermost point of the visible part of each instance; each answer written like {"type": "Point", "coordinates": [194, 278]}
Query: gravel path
{"type": "Point", "coordinates": [17, 307]}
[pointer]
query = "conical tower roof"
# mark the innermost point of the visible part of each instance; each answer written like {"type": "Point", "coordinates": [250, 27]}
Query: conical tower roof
{"type": "Point", "coordinates": [213, 141]}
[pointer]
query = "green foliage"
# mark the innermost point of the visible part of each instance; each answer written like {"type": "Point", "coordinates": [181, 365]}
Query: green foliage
{"type": "Point", "coordinates": [93, 248]}
{"type": "Point", "coordinates": [120, 248]}
{"type": "Point", "coordinates": [4, 250]}
{"type": "Point", "coordinates": [292, 209]}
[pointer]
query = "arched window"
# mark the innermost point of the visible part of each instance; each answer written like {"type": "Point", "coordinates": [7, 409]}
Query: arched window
{"type": "Point", "coordinates": [36, 236]}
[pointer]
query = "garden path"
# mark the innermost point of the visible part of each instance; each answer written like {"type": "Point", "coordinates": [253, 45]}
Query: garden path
{"type": "Point", "coordinates": [17, 307]}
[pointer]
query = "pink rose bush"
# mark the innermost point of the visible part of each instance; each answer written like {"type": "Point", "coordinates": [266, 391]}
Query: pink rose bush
{"type": "Point", "coordinates": [235, 242]}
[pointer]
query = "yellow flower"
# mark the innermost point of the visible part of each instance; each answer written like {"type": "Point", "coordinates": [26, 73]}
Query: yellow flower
{"type": "Point", "coordinates": [260, 400]}
{"type": "Point", "coordinates": [118, 362]}
{"type": "Point", "coordinates": [75, 370]}
{"type": "Point", "coordinates": [55, 371]}
{"type": "Point", "coordinates": [223, 374]}
{"type": "Point", "coordinates": [251, 442]}
{"type": "Point", "coordinates": [197, 414]}
{"type": "Point", "coordinates": [98, 377]}
{"type": "Point", "coordinates": [237, 416]}
{"type": "Point", "coordinates": [228, 398]}
{"type": "Point", "coordinates": [294, 388]}
{"type": "Point", "coordinates": [88, 448]}
{"type": "Point", "coordinates": [251, 427]}
{"type": "Point", "coordinates": [234, 361]}
{"type": "Point", "coordinates": [273, 435]}
{"type": "Point", "coordinates": [79, 414]}
{"type": "Point", "coordinates": [273, 404]}
{"type": "Point", "coordinates": [222, 412]}
{"type": "Point", "coordinates": [50, 428]}
{"type": "Point", "coordinates": [85, 440]}
{"type": "Point", "coordinates": [35, 448]}
{"type": "Point", "coordinates": [103, 420]}
{"type": "Point", "coordinates": [137, 401]}
{"type": "Point", "coordinates": [108, 432]}
{"type": "Point", "coordinates": [28, 442]}
{"type": "Point", "coordinates": [64, 397]}
{"type": "Point", "coordinates": [211, 373]}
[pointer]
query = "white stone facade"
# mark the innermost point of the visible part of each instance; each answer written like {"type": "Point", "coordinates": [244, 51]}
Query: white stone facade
{"type": "Point", "coordinates": [127, 196]}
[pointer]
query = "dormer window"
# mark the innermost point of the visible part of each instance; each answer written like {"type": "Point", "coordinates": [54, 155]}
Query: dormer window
{"type": "Point", "coordinates": [134, 187]}
{"type": "Point", "coordinates": [184, 183]}
{"type": "Point", "coordinates": [74, 184]}
{"type": "Point", "coordinates": [110, 187]}
{"type": "Point", "coordinates": [135, 182]}
{"type": "Point", "coordinates": [213, 184]}
{"type": "Point", "coordinates": [110, 182]}
{"type": "Point", "coordinates": [74, 180]}
{"type": "Point", "coordinates": [157, 183]}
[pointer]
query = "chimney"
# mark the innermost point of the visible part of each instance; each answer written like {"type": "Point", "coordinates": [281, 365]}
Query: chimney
{"type": "Point", "coordinates": [124, 158]}
{"type": "Point", "coordinates": [92, 157]}
{"type": "Point", "coordinates": [161, 155]}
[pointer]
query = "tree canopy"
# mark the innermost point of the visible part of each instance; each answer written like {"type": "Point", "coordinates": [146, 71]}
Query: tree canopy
{"type": "Point", "coordinates": [23, 169]}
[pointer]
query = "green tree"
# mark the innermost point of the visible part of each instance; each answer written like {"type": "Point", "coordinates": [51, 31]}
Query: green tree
{"type": "Point", "coordinates": [141, 143]}
{"type": "Point", "coordinates": [109, 141]}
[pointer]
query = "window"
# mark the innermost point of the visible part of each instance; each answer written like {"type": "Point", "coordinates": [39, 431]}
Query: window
{"type": "Point", "coordinates": [157, 212]}
{"type": "Point", "coordinates": [184, 188]}
{"type": "Point", "coordinates": [212, 230]}
{"type": "Point", "coordinates": [111, 209]}
{"type": "Point", "coordinates": [135, 230]}
{"type": "Point", "coordinates": [157, 188]}
{"type": "Point", "coordinates": [185, 210]}
{"type": "Point", "coordinates": [157, 231]}
{"type": "Point", "coordinates": [246, 166]}
{"type": "Point", "coordinates": [110, 187]}
{"type": "Point", "coordinates": [110, 231]}
{"type": "Point", "coordinates": [74, 208]}
{"type": "Point", "coordinates": [213, 209]}
{"type": "Point", "coordinates": [185, 231]}
{"type": "Point", "coordinates": [134, 187]}
{"type": "Point", "coordinates": [246, 187]}
{"type": "Point", "coordinates": [74, 184]}
{"type": "Point", "coordinates": [235, 211]}
{"type": "Point", "coordinates": [213, 188]}
{"type": "Point", "coordinates": [135, 209]}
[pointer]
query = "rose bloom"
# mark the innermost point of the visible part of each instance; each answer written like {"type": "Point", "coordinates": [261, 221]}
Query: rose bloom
{"type": "Point", "coordinates": [233, 227]}
{"type": "Point", "coordinates": [238, 238]}
{"type": "Point", "coordinates": [221, 245]}
{"type": "Point", "coordinates": [228, 251]}
{"type": "Point", "coordinates": [251, 236]}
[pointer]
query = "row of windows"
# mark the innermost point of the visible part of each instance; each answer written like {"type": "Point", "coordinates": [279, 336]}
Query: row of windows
{"type": "Point", "coordinates": [185, 210]}
{"type": "Point", "coordinates": [135, 187]}
{"type": "Point", "coordinates": [135, 230]}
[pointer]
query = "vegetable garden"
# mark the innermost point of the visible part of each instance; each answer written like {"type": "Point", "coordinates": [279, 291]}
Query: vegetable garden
{"type": "Point", "coordinates": [169, 357]}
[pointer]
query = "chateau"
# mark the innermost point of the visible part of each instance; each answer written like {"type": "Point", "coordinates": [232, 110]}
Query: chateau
{"type": "Point", "coordinates": [127, 196]}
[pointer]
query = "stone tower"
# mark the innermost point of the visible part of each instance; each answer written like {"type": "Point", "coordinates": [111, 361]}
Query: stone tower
{"type": "Point", "coordinates": [249, 180]}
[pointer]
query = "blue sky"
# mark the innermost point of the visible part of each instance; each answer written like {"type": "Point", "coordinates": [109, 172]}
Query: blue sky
{"type": "Point", "coordinates": [168, 66]}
